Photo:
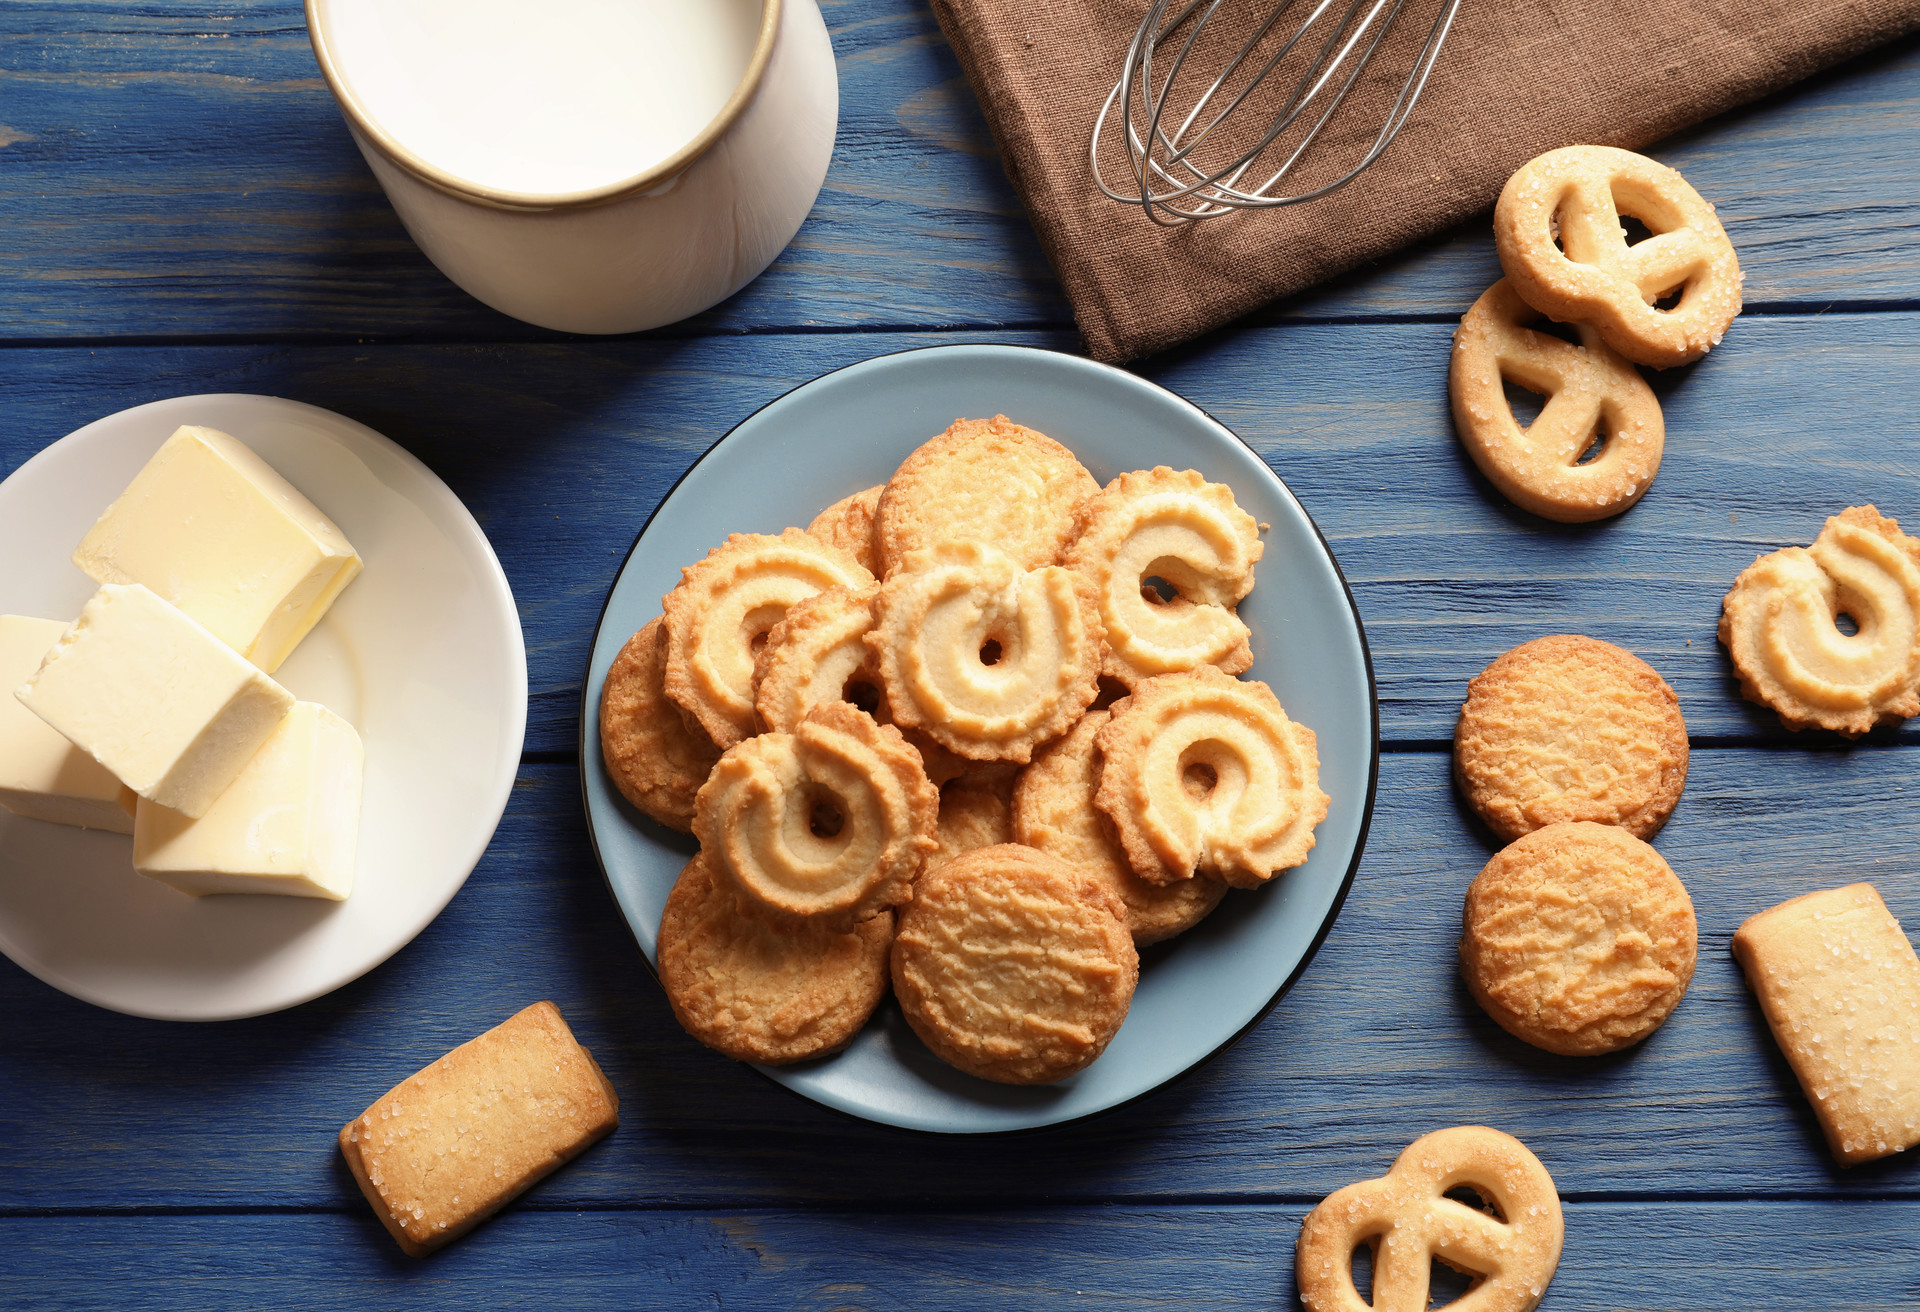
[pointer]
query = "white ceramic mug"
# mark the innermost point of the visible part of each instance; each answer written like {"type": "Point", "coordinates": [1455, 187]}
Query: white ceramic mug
{"type": "Point", "coordinates": [647, 250]}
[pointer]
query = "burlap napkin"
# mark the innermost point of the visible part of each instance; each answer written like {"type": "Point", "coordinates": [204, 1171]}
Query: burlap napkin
{"type": "Point", "coordinates": [1518, 77]}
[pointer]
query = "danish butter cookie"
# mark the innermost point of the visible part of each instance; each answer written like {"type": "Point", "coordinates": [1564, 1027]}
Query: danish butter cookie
{"type": "Point", "coordinates": [1557, 228]}
{"type": "Point", "coordinates": [1202, 773]}
{"type": "Point", "coordinates": [986, 480]}
{"type": "Point", "coordinates": [1840, 986]}
{"type": "Point", "coordinates": [655, 758]}
{"type": "Point", "coordinates": [721, 612]}
{"type": "Point", "coordinates": [453, 1143]}
{"type": "Point", "coordinates": [818, 654]}
{"type": "Point", "coordinates": [1578, 938]}
{"type": "Point", "coordinates": [1780, 624]}
{"type": "Point", "coordinates": [1053, 811]}
{"type": "Point", "coordinates": [1570, 728]}
{"type": "Point", "coordinates": [760, 993]}
{"type": "Point", "coordinates": [1591, 392]}
{"type": "Point", "coordinates": [1512, 1247]}
{"type": "Point", "coordinates": [985, 657]}
{"type": "Point", "coordinates": [848, 525]}
{"type": "Point", "coordinates": [1014, 966]}
{"type": "Point", "coordinates": [827, 824]}
{"type": "Point", "coordinates": [1186, 533]}
{"type": "Point", "coordinates": [975, 811]}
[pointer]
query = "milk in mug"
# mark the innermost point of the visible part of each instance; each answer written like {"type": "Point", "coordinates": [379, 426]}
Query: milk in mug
{"type": "Point", "coordinates": [541, 96]}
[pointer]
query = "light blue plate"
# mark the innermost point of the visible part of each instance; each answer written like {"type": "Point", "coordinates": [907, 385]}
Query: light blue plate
{"type": "Point", "coordinates": [847, 431]}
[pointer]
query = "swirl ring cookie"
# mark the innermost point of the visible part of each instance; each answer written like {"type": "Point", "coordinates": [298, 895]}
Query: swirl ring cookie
{"type": "Point", "coordinates": [655, 759]}
{"type": "Point", "coordinates": [1205, 774]}
{"type": "Point", "coordinates": [1578, 939]}
{"type": "Point", "coordinates": [987, 658]}
{"type": "Point", "coordinates": [1591, 275]}
{"type": "Point", "coordinates": [722, 610]}
{"type": "Point", "coordinates": [1014, 966]}
{"type": "Point", "coordinates": [818, 654]}
{"type": "Point", "coordinates": [1589, 389]}
{"type": "Point", "coordinates": [1570, 728]}
{"type": "Point", "coordinates": [848, 525]}
{"type": "Point", "coordinates": [987, 480]}
{"type": "Point", "coordinates": [828, 824]}
{"type": "Point", "coordinates": [1177, 527]}
{"type": "Point", "coordinates": [1780, 624]}
{"type": "Point", "coordinates": [760, 993]}
{"type": "Point", "coordinates": [1053, 811]}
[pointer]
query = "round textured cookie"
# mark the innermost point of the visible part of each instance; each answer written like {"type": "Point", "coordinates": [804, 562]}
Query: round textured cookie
{"type": "Point", "coordinates": [976, 811]}
{"type": "Point", "coordinates": [848, 525]}
{"type": "Point", "coordinates": [1204, 774]}
{"type": "Point", "coordinates": [818, 654]}
{"type": "Point", "coordinates": [757, 993]}
{"type": "Point", "coordinates": [988, 480]}
{"type": "Point", "coordinates": [654, 758]}
{"type": "Point", "coordinates": [1053, 811]}
{"type": "Point", "coordinates": [1177, 528]}
{"type": "Point", "coordinates": [828, 824]}
{"type": "Point", "coordinates": [1780, 623]}
{"type": "Point", "coordinates": [722, 610]}
{"type": "Point", "coordinates": [1570, 728]}
{"type": "Point", "coordinates": [985, 657]}
{"type": "Point", "coordinates": [1014, 966]}
{"type": "Point", "coordinates": [1578, 938]}
{"type": "Point", "coordinates": [1557, 229]}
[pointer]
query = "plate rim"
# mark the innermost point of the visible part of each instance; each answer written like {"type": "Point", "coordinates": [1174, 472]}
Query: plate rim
{"type": "Point", "coordinates": [590, 736]}
{"type": "Point", "coordinates": [517, 724]}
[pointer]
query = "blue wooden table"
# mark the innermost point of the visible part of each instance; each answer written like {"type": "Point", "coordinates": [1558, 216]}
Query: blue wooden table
{"type": "Point", "coordinates": [181, 211]}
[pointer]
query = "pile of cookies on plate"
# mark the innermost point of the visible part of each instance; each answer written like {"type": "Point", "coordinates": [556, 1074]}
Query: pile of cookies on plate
{"type": "Point", "coordinates": [974, 735]}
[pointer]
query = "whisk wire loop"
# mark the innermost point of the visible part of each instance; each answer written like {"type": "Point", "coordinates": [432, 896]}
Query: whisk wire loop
{"type": "Point", "coordinates": [1169, 181]}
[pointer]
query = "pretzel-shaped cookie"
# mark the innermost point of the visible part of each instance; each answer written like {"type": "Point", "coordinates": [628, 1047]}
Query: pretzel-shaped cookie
{"type": "Point", "coordinates": [1589, 388]}
{"type": "Point", "coordinates": [1779, 625]}
{"type": "Point", "coordinates": [1577, 193]}
{"type": "Point", "coordinates": [1408, 1220]}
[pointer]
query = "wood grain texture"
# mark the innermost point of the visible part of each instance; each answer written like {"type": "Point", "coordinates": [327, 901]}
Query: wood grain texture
{"type": "Point", "coordinates": [180, 172]}
{"type": "Point", "coordinates": [1377, 1044]}
{"type": "Point", "coordinates": [1849, 1259]}
{"type": "Point", "coordinates": [563, 450]}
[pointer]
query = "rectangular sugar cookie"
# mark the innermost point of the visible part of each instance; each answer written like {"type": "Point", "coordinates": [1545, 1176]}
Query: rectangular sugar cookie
{"type": "Point", "coordinates": [1840, 986]}
{"type": "Point", "coordinates": [451, 1145]}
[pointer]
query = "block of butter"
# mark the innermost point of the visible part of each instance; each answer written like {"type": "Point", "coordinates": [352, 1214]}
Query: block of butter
{"type": "Point", "coordinates": [155, 698]}
{"type": "Point", "coordinates": [215, 530]}
{"type": "Point", "coordinates": [42, 775]}
{"type": "Point", "coordinates": [288, 824]}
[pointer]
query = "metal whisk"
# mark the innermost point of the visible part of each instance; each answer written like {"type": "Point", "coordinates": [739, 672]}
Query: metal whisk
{"type": "Point", "coordinates": [1167, 138]}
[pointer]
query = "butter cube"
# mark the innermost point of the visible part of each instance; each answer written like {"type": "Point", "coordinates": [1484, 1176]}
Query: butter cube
{"type": "Point", "coordinates": [288, 824]}
{"type": "Point", "coordinates": [155, 698]}
{"type": "Point", "coordinates": [212, 528]}
{"type": "Point", "coordinates": [42, 775]}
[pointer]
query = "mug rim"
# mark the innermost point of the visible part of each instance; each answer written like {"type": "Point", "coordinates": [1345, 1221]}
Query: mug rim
{"type": "Point", "coordinates": [507, 199]}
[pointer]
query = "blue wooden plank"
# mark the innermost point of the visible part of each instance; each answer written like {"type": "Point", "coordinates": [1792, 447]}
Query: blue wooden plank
{"type": "Point", "coordinates": [180, 171]}
{"type": "Point", "coordinates": [1793, 419]}
{"type": "Point", "coordinates": [1377, 1044]}
{"type": "Point", "coordinates": [1734, 1256]}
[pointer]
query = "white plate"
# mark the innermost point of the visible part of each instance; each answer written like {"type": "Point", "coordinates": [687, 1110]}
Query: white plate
{"type": "Point", "coordinates": [422, 653]}
{"type": "Point", "coordinates": [846, 431]}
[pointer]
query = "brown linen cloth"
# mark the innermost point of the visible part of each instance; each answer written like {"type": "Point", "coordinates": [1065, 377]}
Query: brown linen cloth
{"type": "Point", "coordinates": [1517, 77]}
